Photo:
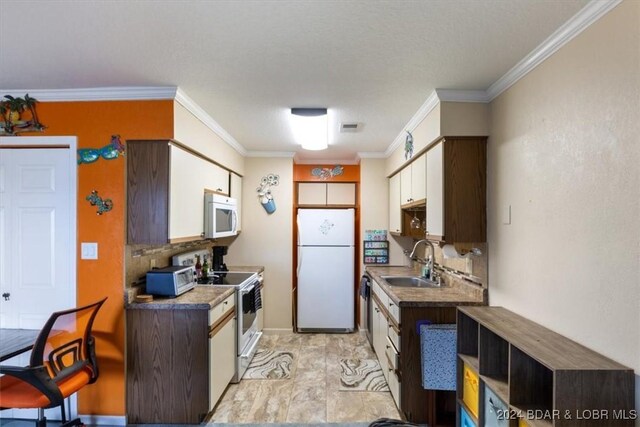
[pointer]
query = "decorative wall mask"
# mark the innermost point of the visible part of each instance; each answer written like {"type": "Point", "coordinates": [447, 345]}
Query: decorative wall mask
{"type": "Point", "coordinates": [327, 173]}
{"type": "Point", "coordinates": [104, 205]}
{"type": "Point", "coordinates": [408, 146]}
{"type": "Point", "coordinates": [13, 119]}
{"type": "Point", "coordinates": [264, 192]}
{"type": "Point", "coordinates": [110, 151]}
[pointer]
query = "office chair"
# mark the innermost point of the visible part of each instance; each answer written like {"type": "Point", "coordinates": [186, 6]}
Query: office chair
{"type": "Point", "coordinates": [63, 360]}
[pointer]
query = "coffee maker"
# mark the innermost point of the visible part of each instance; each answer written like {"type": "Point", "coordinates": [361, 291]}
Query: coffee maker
{"type": "Point", "coordinates": [218, 258]}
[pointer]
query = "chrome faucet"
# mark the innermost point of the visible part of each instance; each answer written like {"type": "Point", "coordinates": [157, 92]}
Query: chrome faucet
{"type": "Point", "coordinates": [430, 261]}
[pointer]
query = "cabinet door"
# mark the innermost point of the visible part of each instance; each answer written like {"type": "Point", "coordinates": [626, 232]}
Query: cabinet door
{"type": "Point", "coordinates": [405, 185]}
{"type": "Point", "coordinates": [222, 359]}
{"type": "Point", "coordinates": [375, 327]}
{"type": "Point", "coordinates": [381, 353]}
{"type": "Point", "coordinates": [189, 176]}
{"type": "Point", "coordinates": [312, 193]}
{"type": "Point", "coordinates": [395, 213]}
{"type": "Point", "coordinates": [419, 178]}
{"type": "Point", "coordinates": [236, 193]}
{"type": "Point", "coordinates": [220, 179]}
{"type": "Point", "coordinates": [435, 191]}
{"type": "Point", "coordinates": [341, 194]}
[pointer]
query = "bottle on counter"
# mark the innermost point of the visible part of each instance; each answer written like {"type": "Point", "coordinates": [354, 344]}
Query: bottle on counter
{"type": "Point", "coordinates": [198, 267]}
{"type": "Point", "coordinates": [205, 268]}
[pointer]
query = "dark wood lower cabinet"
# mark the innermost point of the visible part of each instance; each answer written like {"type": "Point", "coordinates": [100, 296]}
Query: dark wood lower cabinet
{"type": "Point", "coordinates": [434, 407]}
{"type": "Point", "coordinates": [167, 366]}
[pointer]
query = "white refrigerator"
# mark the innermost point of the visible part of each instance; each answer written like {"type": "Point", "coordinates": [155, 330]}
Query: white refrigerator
{"type": "Point", "coordinates": [325, 270]}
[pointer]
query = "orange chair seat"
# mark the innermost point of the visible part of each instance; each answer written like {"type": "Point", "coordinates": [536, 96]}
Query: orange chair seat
{"type": "Point", "coordinates": [15, 393]}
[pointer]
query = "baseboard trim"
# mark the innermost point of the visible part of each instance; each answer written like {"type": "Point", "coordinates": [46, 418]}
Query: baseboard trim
{"type": "Point", "coordinates": [277, 331]}
{"type": "Point", "coordinates": [104, 420]}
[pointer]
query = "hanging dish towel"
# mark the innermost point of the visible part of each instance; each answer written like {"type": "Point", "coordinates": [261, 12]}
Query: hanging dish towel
{"type": "Point", "coordinates": [438, 344]}
{"type": "Point", "coordinates": [258, 296]}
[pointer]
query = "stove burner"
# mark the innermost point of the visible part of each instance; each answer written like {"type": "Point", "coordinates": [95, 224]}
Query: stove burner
{"type": "Point", "coordinates": [225, 278]}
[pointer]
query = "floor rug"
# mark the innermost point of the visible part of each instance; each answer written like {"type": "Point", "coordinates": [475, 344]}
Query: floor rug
{"type": "Point", "coordinates": [361, 375]}
{"type": "Point", "coordinates": [270, 365]}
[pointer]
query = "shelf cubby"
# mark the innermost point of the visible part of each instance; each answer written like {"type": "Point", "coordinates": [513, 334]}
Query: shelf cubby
{"type": "Point", "coordinates": [531, 382]}
{"type": "Point", "coordinates": [546, 378]}
{"type": "Point", "coordinates": [468, 337]}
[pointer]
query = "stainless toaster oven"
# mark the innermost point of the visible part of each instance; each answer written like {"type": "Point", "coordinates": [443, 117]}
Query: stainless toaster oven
{"type": "Point", "coordinates": [171, 281]}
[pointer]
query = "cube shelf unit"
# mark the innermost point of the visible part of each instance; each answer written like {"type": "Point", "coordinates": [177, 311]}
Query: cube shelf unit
{"type": "Point", "coordinates": [531, 368]}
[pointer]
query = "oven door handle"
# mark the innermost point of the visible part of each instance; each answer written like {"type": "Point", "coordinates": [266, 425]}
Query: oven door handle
{"type": "Point", "coordinates": [248, 289]}
{"type": "Point", "coordinates": [250, 350]}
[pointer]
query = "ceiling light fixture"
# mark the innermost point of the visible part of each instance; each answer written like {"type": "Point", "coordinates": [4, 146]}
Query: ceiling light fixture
{"type": "Point", "coordinates": [310, 127]}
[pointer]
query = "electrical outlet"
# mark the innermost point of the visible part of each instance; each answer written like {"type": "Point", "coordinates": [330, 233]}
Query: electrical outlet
{"type": "Point", "coordinates": [88, 250]}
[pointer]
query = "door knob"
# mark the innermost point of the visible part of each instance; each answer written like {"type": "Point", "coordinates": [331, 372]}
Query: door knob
{"type": "Point", "coordinates": [6, 296]}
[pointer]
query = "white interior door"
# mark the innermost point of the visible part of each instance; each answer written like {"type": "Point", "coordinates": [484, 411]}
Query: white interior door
{"type": "Point", "coordinates": [37, 236]}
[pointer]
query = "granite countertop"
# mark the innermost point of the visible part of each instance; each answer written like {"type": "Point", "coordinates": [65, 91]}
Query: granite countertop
{"type": "Point", "coordinates": [200, 297]}
{"type": "Point", "coordinates": [248, 268]}
{"type": "Point", "coordinates": [453, 295]}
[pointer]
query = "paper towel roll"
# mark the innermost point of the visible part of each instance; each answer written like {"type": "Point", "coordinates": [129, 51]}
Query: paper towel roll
{"type": "Point", "coordinates": [450, 252]}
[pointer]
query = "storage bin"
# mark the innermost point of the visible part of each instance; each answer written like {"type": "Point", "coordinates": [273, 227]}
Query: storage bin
{"type": "Point", "coordinates": [470, 389]}
{"type": "Point", "coordinates": [495, 410]}
{"type": "Point", "coordinates": [438, 350]}
{"type": "Point", "coordinates": [465, 419]}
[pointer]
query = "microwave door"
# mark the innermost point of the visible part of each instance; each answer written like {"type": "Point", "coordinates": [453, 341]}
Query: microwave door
{"type": "Point", "coordinates": [224, 220]}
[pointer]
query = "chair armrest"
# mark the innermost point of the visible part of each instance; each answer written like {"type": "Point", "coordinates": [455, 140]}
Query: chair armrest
{"type": "Point", "coordinates": [38, 377]}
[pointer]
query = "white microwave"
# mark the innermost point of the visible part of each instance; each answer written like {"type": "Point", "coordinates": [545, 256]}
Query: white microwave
{"type": "Point", "coordinates": [220, 216]}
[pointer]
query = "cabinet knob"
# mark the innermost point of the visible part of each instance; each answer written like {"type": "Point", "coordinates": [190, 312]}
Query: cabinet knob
{"type": "Point", "coordinates": [6, 296]}
{"type": "Point", "coordinates": [377, 311]}
{"type": "Point", "coordinates": [226, 302]}
{"type": "Point", "coordinates": [219, 189]}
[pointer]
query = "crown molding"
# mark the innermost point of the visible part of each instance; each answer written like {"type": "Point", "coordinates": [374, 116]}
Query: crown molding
{"type": "Point", "coordinates": [287, 154]}
{"type": "Point", "coordinates": [372, 155]}
{"type": "Point", "coordinates": [589, 14]}
{"type": "Point", "coordinates": [188, 103]}
{"type": "Point", "coordinates": [130, 93]}
{"type": "Point", "coordinates": [454, 95]}
{"type": "Point", "coordinates": [428, 106]}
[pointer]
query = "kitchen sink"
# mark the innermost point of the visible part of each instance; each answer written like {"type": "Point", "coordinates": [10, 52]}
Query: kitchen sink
{"type": "Point", "coordinates": [410, 282]}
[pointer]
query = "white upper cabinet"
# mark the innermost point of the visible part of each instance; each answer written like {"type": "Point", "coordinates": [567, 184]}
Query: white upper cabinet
{"type": "Point", "coordinates": [219, 180]}
{"type": "Point", "coordinates": [413, 181]}
{"type": "Point", "coordinates": [341, 193]}
{"type": "Point", "coordinates": [189, 176]}
{"type": "Point", "coordinates": [327, 193]}
{"type": "Point", "coordinates": [395, 213]}
{"type": "Point", "coordinates": [236, 193]}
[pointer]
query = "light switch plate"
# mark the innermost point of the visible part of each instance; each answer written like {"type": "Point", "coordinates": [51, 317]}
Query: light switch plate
{"type": "Point", "coordinates": [506, 215]}
{"type": "Point", "coordinates": [88, 250]}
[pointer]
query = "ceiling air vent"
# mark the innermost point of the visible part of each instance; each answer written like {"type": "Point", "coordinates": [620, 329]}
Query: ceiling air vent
{"type": "Point", "coordinates": [349, 127]}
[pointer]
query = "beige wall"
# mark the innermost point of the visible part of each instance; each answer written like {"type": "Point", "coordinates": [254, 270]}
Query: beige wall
{"type": "Point", "coordinates": [267, 239]}
{"type": "Point", "coordinates": [564, 153]}
{"type": "Point", "coordinates": [191, 131]}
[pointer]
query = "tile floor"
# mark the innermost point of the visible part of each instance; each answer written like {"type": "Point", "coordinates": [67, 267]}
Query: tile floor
{"type": "Point", "coordinates": [311, 395]}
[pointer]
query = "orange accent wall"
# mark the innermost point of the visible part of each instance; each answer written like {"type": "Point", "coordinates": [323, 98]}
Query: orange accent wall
{"type": "Point", "coordinates": [93, 123]}
{"type": "Point", "coordinates": [302, 173]}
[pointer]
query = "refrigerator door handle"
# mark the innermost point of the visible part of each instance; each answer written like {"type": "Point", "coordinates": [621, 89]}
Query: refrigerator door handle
{"type": "Point", "coordinates": [299, 229]}
{"type": "Point", "coordinates": [299, 262]}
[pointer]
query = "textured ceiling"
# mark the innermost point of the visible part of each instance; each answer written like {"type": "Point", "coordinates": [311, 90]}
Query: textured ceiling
{"type": "Point", "coordinates": [247, 62]}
